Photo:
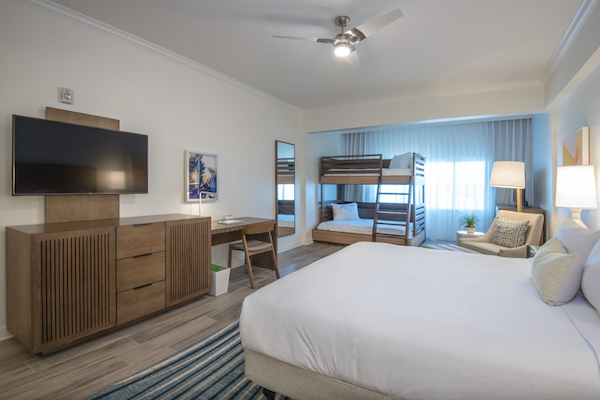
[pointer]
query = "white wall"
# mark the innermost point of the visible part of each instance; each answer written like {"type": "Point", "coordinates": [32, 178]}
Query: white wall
{"type": "Point", "coordinates": [317, 145]}
{"type": "Point", "coordinates": [177, 106]}
{"type": "Point", "coordinates": [581, 108]}
{"type": "Point", "coordinates": [479, 102]}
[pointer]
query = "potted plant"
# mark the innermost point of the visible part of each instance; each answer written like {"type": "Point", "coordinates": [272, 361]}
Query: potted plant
{"type": "Point", "coordinates": [470, 221]}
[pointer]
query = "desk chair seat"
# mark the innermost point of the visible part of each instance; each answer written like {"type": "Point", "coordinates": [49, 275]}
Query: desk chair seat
{"type": "Point", "coordinates": [253, 246]}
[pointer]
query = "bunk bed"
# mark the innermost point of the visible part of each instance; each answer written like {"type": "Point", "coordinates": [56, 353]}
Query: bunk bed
{"type": "Point", "coordinates": [396, 223]}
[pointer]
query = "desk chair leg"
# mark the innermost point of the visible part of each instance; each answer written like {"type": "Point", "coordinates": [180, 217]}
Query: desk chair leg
{"type": "Point", "coordinates": [249, 268]}
{"type": "Point", "coordinates": [275, 265]}
{"type": "Point", "coordinates": [229, 259]}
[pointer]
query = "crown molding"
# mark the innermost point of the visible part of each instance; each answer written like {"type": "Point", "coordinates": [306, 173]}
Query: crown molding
{"type": "Point", "coordinates": [436, 95]}
{"type": "Point", "coordinates": [112, 32]}
{"type": "Point", "coordinates": [568, 38]}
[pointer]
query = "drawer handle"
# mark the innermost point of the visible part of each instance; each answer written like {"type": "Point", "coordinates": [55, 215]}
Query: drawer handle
{"type": "Point", "coordinates": [143, 286]}
{"type": "Point", "coordinates": [143, 255]}
{"type": "Point", "coordinates": [147, 223]}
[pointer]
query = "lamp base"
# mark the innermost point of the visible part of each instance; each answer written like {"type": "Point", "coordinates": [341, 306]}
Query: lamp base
{"type": "Point", "coordinates": [519, 201]}
{"type": "Point", "coordinates": [576, 216]}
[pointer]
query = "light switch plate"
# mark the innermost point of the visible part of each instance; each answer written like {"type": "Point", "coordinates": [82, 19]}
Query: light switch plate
{"type": "Point", "coordinates": [66, 95]}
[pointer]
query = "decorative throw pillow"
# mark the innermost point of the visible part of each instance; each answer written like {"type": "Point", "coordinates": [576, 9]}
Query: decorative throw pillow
{"type": "Point", "coordinates": [590, 280]}
{"type": "Point", "coordinates": [576, 238]}
{"type": "Point", "coordinates": [345, 212]}
{"type": "Point", "coordinates": [401, 161]}
{"type": "Point", "coordinates": [509, 233]}
{"type": "Point", "coordinates": [556, 274]}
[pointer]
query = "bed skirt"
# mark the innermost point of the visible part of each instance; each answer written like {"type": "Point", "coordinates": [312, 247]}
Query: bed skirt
{"type": "Point", "coordinates": [300, 384]}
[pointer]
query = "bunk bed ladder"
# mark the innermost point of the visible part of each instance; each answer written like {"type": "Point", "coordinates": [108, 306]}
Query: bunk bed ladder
{"type": "Point", "coordinates": [392, 218]}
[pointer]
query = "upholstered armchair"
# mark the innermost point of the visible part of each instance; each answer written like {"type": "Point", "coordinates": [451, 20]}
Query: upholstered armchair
{"type": "Point", "coordinates": [484, 243]}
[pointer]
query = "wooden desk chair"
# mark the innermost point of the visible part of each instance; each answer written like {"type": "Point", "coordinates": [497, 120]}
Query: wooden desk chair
{"type": "Point", "coordinates": [253, 246]}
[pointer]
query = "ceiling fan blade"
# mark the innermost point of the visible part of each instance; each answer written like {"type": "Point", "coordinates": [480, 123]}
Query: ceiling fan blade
{"type": "Point", "coordinates": [353, 59]}
{"type": "Point", "coordinates": [372, 26]}
{"type": "Point", "coordinates": [306, 38]}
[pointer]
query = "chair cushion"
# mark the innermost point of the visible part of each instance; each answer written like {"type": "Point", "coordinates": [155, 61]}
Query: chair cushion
{"type": "Point", "coordinates": [556, 274]}
{"type": "Point", "coordinates": [509, 233]}
{"type": "Point", "coordinates": [482, 247]}
{"type": "Point", "coordinates": [345, 212]}
{"type": "Point", "coordinates": [576, 238]}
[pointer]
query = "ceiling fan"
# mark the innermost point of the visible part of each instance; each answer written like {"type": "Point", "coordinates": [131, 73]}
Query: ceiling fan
{"type": "Point", "coordinates": [344, 42]}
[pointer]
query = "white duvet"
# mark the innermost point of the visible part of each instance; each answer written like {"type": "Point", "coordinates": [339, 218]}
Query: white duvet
{"type": "Point", "coordinates": [415, 323]}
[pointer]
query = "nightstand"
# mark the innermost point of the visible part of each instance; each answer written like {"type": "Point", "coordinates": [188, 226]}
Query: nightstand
{"type": "Point", "coordinates": [533, 250]}
{"type": "Point", "coordinates": [465, 234]}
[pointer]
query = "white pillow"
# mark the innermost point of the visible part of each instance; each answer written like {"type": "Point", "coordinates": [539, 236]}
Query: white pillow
{"type": "Point", "coordinates": [556, 274]}
{"type": "Point", "coordinates": [401, 161]}
{"type": "Point", "coordinates": [590, 281]}
{"type": "Point", "coordinates": [345, 212]}
{"type": "Point", "coordinates": [576, 238]}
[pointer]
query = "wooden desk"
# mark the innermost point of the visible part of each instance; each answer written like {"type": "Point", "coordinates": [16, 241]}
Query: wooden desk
{"type": "Point", "coordinates": [222, 234]}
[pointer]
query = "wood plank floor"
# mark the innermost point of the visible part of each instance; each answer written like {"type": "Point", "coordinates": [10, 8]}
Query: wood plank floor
{"type": "Point", "coordinates": [84, 369]}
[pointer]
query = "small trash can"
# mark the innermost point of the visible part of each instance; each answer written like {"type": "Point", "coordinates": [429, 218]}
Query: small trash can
{"type": "Point", "coordinates": [219, 280]}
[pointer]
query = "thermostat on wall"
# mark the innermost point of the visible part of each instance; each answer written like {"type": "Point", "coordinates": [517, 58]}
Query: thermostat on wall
{"type": "Point", "coordinates": [66, 95]}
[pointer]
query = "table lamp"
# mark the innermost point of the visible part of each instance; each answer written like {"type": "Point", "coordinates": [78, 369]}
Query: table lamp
{"type": "Point", "coordinates": [576, 189]}
{"type": "Point", "coordinates": [510, 175]}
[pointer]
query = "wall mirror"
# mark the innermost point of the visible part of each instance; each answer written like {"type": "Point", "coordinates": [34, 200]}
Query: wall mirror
{"type": "Point", "coordinates": [285, 177]}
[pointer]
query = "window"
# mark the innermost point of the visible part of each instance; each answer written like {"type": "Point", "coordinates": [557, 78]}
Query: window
{"type": "Point", "coordinates": [285, 191]}
{"type": "Point", "coordinates": [450, 186]}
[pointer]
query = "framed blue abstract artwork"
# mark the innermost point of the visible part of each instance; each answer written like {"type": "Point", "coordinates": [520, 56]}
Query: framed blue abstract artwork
{"type": "Point", "coordinates": [201, 177]}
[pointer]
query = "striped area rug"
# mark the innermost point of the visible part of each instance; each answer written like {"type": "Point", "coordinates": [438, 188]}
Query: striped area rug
{"type": "Point", "coordinates": [449, 247]}
{"type": "Point", "coordinates": [212, 368]}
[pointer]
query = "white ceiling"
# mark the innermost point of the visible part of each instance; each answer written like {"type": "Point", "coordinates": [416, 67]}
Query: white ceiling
{"type": "Point", "coordinates": [438, 45]}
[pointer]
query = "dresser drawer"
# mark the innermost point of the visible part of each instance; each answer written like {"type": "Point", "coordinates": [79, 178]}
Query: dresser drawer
{"type": "Point", "coordinates": [135, 240]}
{"type": "Point", "coordinates": [137, 271]}
{"type": "Point", "coordinates": [136, 303]}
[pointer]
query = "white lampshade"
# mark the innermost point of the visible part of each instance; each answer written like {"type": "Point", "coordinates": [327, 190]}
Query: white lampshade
{"type": "Point", "coordinates": [508, 174]}
{"type": "Point", "coordinates": [576, 187]}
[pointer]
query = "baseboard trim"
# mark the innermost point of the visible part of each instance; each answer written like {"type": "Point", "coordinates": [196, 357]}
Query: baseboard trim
{"type": "Point", "coordinates": [4, 334]}
{"type": "Point", "coordinates": [288, 246]}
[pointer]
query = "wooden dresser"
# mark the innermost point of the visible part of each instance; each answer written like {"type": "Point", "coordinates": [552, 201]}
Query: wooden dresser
{"type": "Point", "coordinates": [68, 282]}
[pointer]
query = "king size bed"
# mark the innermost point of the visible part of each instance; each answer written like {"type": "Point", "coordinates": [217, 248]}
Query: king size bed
{"type": "Point", "coordinates": [378, 321]}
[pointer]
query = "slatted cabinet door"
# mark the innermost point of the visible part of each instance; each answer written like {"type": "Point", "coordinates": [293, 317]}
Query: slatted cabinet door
{"type": "Point", "coordinates": [188, 259]}
{"type": "Point", "coordinates": [76, 293]}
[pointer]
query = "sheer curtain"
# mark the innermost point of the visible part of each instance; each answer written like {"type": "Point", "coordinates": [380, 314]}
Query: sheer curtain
{"type": "Point", "coordinates": [458, 167]}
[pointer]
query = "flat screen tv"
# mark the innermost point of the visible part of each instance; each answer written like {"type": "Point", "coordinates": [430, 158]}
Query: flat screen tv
{"type": "Point", "coordinates": [52, 158]}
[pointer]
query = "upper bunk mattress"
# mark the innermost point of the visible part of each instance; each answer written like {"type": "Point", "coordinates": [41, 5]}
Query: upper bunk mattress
{"type": "Point", "coordinates": [384, 172]}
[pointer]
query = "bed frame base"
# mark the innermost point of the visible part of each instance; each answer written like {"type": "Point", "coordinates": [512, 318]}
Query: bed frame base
{"type": "Point", "coordinates": [300, 384]}
{"type": "Point", "coordinates": [351, 238]}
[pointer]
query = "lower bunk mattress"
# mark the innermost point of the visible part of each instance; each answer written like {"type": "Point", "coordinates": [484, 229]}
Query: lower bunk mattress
{"type": "Point", "coordinates": [359, 226]}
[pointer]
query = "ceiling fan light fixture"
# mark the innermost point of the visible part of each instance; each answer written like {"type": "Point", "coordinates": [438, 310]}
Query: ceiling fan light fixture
{"type": "Point", "coordinates": [342, 49]}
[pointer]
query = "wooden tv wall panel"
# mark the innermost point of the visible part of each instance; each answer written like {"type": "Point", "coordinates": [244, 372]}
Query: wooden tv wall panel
{"type": "Point", "coordinates": [72, 281]}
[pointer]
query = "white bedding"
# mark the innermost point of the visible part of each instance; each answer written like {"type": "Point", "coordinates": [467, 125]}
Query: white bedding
{"type": "Point", "coordinates": [415, 323]}
{"type": "Point", "coordinates": [361, 226]}
{"type": "Point", "coordinates": [384, 172]}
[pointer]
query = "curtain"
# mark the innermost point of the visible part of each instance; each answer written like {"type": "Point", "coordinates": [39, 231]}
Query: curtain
{"type": "Point", "coordinates": [458, 167]}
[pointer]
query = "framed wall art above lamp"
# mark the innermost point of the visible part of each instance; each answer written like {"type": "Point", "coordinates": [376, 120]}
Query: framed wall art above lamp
{"type": "Point", "coordinates": [576, 189]}
{"type": "Point", "coordinates": [509, 175]}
